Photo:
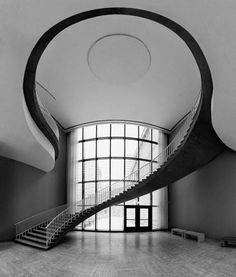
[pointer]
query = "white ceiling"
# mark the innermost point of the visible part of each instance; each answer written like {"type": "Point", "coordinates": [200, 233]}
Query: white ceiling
{"type": "Point", "coordinates": [119, 59]}
{"type": "Point", "coordinates": [211, 22]}
{"type": "Point", "coordinates": [144, 72]}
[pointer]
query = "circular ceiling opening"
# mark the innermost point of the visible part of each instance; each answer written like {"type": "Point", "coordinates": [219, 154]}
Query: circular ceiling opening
{"type": "Point", "coordinates": [119, 59]}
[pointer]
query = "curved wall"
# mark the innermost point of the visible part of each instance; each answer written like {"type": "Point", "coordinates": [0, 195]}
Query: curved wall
{"type": "Point", "coordinates": [105, 155]}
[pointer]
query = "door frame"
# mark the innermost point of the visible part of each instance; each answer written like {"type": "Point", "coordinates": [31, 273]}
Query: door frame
{"type": "Point", "coordinates": [137, 227]}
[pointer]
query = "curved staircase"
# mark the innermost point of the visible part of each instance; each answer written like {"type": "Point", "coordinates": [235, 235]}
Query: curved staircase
{"type": "Point", "coordinates": [194, 145]}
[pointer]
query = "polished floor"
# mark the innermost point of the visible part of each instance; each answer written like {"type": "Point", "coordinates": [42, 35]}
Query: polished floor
{"type": "Point", "coordinates": [120, 255]}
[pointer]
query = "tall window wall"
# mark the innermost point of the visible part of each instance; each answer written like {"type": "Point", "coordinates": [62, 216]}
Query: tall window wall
{"type": "Point", "coordinates": [105, 155]}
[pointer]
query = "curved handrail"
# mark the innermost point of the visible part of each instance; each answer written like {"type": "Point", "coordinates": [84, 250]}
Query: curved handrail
{"type": "Point", "coordinates": [131, 180]}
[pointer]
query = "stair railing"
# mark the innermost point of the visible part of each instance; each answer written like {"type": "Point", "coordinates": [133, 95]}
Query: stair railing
{"type": "Point", "coordinates": [23, 226]}
{"type": "Point", "coordinates": [78, 208]}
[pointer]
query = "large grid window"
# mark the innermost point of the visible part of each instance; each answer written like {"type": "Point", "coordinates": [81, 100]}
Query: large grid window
{"type": "Point", "coordinates": [107, 153]}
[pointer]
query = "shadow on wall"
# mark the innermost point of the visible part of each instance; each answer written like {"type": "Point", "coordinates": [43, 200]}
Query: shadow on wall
{"type": "Point", "coordinates": [26, 191]}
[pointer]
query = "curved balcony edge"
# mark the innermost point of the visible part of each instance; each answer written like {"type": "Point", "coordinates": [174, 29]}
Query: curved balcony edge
{"type": "Point", "coordinates": [44, 152]}
{"type": "Point", "coordinates": [36, 113]}
{"type": "Point", "coordinates": [48, 36]}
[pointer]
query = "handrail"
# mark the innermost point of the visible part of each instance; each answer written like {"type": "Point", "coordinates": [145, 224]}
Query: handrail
{"type": "Point", "coordinates": [132, 179]}
{"type": "Point", "coordinates": [28, 223]}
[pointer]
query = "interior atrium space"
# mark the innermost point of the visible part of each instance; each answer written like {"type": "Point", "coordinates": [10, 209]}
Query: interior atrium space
{"type": "Point", "coordinates": [117, 138]}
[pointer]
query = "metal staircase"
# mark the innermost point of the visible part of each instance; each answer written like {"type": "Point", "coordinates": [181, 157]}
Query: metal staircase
{"type": "Point", "coordinates": [194, 145]}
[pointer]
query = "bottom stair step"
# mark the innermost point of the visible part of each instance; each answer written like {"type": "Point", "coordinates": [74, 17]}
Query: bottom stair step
{"type": "Point", "coordinates": [34, 239]}
{"type": "Point", "coordinates": [32, 243]}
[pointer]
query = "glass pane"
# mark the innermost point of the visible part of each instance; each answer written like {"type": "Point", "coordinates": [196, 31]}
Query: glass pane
{"type": "Point", "coordinates": [103, 191]}
{"type": "Point", "coordinates": [145, 169]}
{"type": "Point", "coordinates": [89, 149]}
{"type": "Point", "coordinates": [89, 188]}
{"type": "Point", "coordinates": [103, 148]}
{"type": "Point", "coordinates": [103, 169]}
{"type": "Point", "coordinates": [102, 185]}
{"type": "Point", "coordinates": [155, 218]}
{"type": "Point", "coordinates": [130, 213]}
{"type": "Point", "coordinates": [78, 192]}
{"type": "Point", "coordinates": [103, 130]}
{"type": "Point", "coordinates": [131, 148]}
{"type": "Point", "coordinates": [143, 223]}
{"type": "Point", "coordinates": [116, 187]}
{"type": "Point", "coordinates": [90, 132]}
{"type": "Point", "coordinates": [79, 151]}
{"type": "Point", "coordinates": [131, 174]}
{"type": "Point", "coordinates": [144, 133]}
{"type": "Point", "coordinates": [79, 226]}
{"type": "Point", "coordinates": [117, 148]}
{"type": "Point", "coordinates": [117, 218]}
{"type": "Point", "coordinates": [155, 198]}
{"type": "Point", "coordinates": [155, 135]}
{"type": "Point", "coordinates": [132, 202]}
{"type": "Point", "coordinates": [79, 134]}
{"type": "Point", "coordinates": [79, 172]}
{"type": "Point", "coordinates": [117, 169]}
{"type": "Point", "coordinates": [145, 150]}
{"type": "Point", "coordinates": [155, 150]}
{"type": "Point", "coordinates": [131, 131]}
{"type": "Point", "coordinates": [117, 130]}
{"type": "Point", "coordinates": [143, 213]}
{"type": "Point", "coordinates": [130, 167]}
{"type": "Point", "coordinates": [89, 224]}
{"type": "Point", "coordinates": [89, 171]}
{"type": "Point", "coordinates": [130, 223]}
{"type": "Point", "coordinates": [103, 220]}
{"type": "Point", "coordinates": [145, 199]}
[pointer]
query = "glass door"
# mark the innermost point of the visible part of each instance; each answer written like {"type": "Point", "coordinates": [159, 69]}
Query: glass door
{"type": "Point", "coordinates": [130, 218]}
{"type": "Point", "coordinates": [137, 218]}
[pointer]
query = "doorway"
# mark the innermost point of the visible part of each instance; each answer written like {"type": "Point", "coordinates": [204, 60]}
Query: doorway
{"type": "Point", "coordinates": [137, 218]}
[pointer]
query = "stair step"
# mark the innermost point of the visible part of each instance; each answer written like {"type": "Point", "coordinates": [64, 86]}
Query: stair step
{"type": "Point", "coordinates": [37, 235]}
{"type": "Point", "coordinates": [41, 228]}
{"type": "Point", "coordinates": [39, 231]}
{"type": "Point", "coordinates": [31, 238]}
{"type": "Point", "coordinates": [32, 243]}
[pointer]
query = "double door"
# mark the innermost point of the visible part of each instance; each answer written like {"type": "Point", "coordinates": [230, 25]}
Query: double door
{"type": "Point", "coordinates": [138, 218]}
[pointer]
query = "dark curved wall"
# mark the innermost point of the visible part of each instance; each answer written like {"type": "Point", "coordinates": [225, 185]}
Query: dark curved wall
{"type": "Point", "coordinates": [205, 200]}
{"type": "Point", "coordinates": [25, 191]}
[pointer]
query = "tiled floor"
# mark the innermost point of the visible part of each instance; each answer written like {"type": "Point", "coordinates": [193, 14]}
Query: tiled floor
{"type": "Point", "coordinates": [118, 254]}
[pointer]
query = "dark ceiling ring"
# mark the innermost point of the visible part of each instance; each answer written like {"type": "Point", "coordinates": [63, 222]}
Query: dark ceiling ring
{"type": "Point", "coordinates": [47, 37]}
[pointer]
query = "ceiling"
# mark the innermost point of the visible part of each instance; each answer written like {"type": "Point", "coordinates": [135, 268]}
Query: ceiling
{"type": "Point", "coordinates": [158, 93]}
{"type": "Point", "coordinates": [119, 67]}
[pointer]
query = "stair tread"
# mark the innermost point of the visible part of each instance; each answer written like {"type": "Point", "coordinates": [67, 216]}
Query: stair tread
{"type": "Point", "coordinates": [39, 231]}
{"type": "Point", "coordinates": [32, 233]}
{"type": "Point", "coordinates": [31, 243]}
{"type": "Point", "coordinates": [28, 237]}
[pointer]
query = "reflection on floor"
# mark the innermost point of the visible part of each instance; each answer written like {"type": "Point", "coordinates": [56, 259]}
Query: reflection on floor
{"type": "Point", "coordinates": [119, 254]}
